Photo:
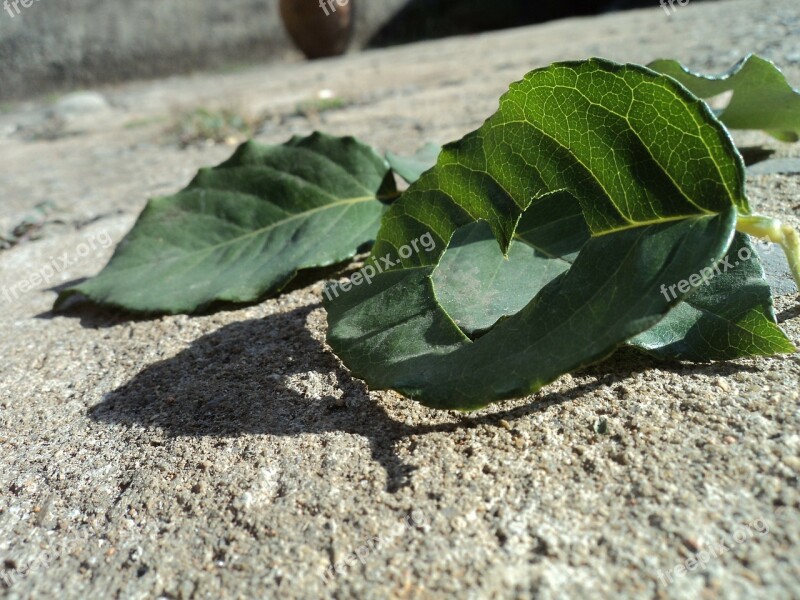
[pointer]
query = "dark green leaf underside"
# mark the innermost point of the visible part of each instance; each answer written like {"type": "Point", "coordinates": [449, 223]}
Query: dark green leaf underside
{"type": "Point", "coordinates": [729, 315]}
{"type": "Point", "coordinates": [394, 333]}
{"type": "Point", "coordinates": [477, 286]}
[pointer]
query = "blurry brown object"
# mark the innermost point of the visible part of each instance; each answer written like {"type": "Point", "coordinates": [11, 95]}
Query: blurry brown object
{"type": "Point", "coordinates": [319, 27]}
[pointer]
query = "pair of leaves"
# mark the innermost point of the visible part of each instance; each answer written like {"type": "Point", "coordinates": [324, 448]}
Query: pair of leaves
{"type": "Point", "coordinates": [580, 167]}
{"type": "Point", "coordinates": [604, 184]}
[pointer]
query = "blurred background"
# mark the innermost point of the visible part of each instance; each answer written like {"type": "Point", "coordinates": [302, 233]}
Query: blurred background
{"type": "Point", "coordinates": [53, 46]}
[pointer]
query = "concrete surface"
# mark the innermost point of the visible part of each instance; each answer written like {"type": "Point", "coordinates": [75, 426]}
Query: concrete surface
{"type": "Point", "coordinates": [230, 455]}
{"type": "Point", "coordinates": [66, 45]}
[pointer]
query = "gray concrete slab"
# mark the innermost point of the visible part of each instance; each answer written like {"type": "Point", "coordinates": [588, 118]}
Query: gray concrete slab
{"type": "Point", "coordinates": [231, 456]}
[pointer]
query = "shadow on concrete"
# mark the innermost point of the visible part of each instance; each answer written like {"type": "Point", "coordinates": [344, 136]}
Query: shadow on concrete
{"type": "Point", "coordinates": [789, 314]}
{"type": "Point", "coordinates": [234, 381]}
{"type": "Point", "coordinates": [426, 19]}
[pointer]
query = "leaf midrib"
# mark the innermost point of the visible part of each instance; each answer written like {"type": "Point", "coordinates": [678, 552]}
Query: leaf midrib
{"type": "Point", "coordinates": [262, 230]}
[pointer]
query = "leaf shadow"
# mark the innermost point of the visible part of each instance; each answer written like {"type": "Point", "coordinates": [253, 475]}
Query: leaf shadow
{"type": "Point", "coordinates": [238, 380]}
{"type": "Point", "coordinates": [629, 358]}
{"type": "Point", "coordinates": [91, 315]}
{"type": "Point", "coordinates": [243, 379]}
{"type": "Point", "coordinates": [755, 154]}
{"type": "Point", "coordinates": [789, 314]}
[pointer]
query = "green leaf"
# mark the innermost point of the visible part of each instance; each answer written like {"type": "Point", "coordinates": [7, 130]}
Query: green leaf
{"type": "Point", "coordinates": [243, 229]}
{"type": "Point", "coordinates": [659, 185]}
{"type": "Point", "coordinates": [477, 286]}
{"type": "Point", "coordinates": [394, 334]}
{"type": "Point", "coordinates": [762, 98]}
{"type": "Point", "coordinates": [411, 168]}
{"type": "Point", "coordinates": [729, 315]}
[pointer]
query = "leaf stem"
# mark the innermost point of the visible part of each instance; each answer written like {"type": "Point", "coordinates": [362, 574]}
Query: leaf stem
{"type": "Point", "coordinates": [776, 232]}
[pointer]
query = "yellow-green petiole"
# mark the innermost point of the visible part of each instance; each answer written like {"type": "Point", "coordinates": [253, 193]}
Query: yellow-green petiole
{"type": "Point", "coordinates": [777, 233]}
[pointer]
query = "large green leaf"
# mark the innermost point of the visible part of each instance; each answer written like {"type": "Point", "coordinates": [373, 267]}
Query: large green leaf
{"type": "Point", "coordinates": [762, 98]}
{"type": "Point", "coordinates": [659, 185]}
{"type": "Point", "coordinates": [394, 333]}
{"type": "Point", "coordinates": [243, 229]}
{"type": "Point", "coordinates": [729, 315]}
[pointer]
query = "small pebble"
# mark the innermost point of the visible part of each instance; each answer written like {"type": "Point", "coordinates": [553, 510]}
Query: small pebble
{"type": "Point", "coordinates": [793, 462]}
{"type": "Point", "coordinates": [621, 458]}
{"type": "Point", "coordinates": [754, 577]}
{"type": "Point", "coordinates": [600, 426]}
{"type": "Point", "coordinates": [692, 544]}
{"type": "Point", "coordinates": [723, 385]}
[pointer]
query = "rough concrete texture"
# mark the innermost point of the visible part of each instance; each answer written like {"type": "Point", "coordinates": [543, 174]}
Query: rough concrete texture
{"type": "Point", "coordinates": [231, 456]}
